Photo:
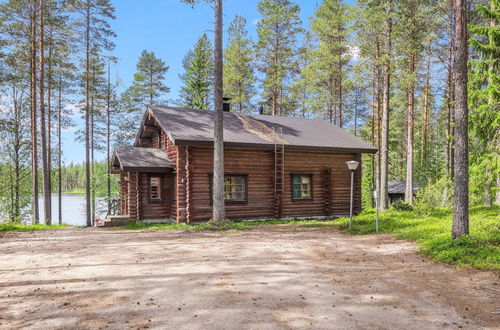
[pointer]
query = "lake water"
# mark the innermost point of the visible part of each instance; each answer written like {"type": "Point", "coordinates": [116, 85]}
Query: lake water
{"type": "Point", "coordinates": [73, 209]}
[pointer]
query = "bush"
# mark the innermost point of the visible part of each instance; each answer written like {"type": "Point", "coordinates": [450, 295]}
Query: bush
{"type": "Point", "coordinates": [402, 206]}
{"type": "Point", "coordinates": [436, 195]}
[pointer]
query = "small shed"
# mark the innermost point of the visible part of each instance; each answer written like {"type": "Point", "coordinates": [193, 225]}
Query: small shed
{"type": "Point", "coordinates": [396, 190]}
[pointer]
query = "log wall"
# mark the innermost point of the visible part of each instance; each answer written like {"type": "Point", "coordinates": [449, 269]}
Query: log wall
{"type": "Point", "coordinates": [330, 188]}
{"type": "Point", "coordinates": [155, 209]}
{"type": "Point", "coordinates": [330, 183]}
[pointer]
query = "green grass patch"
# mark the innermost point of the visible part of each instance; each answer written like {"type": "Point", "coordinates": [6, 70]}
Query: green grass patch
{"type": "Point", "coordinates": [480, 249]}
{"type": "Point", "coordinates": [192, 227]}
{"type": "Point", "coordinates": [18, 227]}
{"type": "Point", "coordinates": [74, 191]}
{"type": "Point", "coordinates": [237, 225]}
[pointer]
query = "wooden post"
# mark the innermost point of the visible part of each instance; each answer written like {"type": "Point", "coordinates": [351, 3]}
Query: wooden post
{"type": "Point", "coordinates": [357, 184]}
{"type": "Point", "coordinates": [327, 181]}
{"type": "Point", "coordinates": [123, 194]}
{"type": "Point", "coordinates": [181, 184]}
{"type": "Point", "coordinates": [189, 190]}
{"type": "Point", "coordinates": [138, 203]}
{"type": "Point", "coordinates": [132, 195]}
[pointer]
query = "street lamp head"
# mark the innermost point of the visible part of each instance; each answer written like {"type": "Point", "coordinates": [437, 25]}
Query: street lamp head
{"type": "Point", "coordinates": [352, 165]}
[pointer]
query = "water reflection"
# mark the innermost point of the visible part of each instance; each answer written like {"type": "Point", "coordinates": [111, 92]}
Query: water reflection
{"type": "Point", "coordinates": [73, 209]}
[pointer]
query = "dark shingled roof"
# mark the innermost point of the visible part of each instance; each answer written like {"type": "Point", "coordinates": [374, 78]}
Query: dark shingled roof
{"type": "Point", "coordinates": [399, 187]}
{"type": "Point", "coordinates": [135, 158]}
{"type": "Point", "coordinates": [190, 126]}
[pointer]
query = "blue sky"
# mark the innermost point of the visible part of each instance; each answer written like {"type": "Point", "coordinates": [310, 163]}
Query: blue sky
{"type": "Point", "coordinates": [169, 28]}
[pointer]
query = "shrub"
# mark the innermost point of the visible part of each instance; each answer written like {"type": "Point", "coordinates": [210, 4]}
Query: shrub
{"type": "Point", "coordinates": [436, 195]}
{"type": "Point", "coordinates": [402, 206]}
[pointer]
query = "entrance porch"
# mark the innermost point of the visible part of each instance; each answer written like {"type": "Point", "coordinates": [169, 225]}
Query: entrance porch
{"type": "Point", "coordinates": [146, 183]}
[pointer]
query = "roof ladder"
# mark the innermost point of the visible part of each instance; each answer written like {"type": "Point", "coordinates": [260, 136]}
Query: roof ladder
{"type": "Point", "coordinates": [279, 173]}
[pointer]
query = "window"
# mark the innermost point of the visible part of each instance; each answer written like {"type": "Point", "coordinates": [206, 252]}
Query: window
{"type": "Point", "coordinates": [155, 189]}
{"type": "Point", "coordinates": [235, 188]}
{"type": "Point", "coordinates": [302, 186]}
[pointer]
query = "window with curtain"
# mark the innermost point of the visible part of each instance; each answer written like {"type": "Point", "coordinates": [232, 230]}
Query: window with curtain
{"type": "Point", "coordinates": [235, 187]}
{"type": "Point", "coordinates": [302, 186]}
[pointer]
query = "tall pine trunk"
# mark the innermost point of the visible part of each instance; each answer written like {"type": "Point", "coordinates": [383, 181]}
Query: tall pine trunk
{"type": "Point", "coordinates": [425, 113]}
{"type": "Point", "coordinates": [340, 92]}
{"type": "Point", "coordinates": [43, 125]}
{"type": "Point", "coordinates": [409, 130]}
{"type": "Point", "coordinates": [49, 119]}
{"type": "Point", "coordinates": [92, 149]}
{"type": "Point", "coordinates": [497, 196]}
{"type": "Point", "coordinates": [34, 117]}
{"type": "Point", "coordinates": [108, 137]}
{"type": "Point", "coordinates": [59, 150]}
{"type": "Point", "coordinates": [377, 120]}
{"type": "Point", "coordinates": [450, 107]}
{"type": "Point", "coordinates": [384, 154]}
{"type": "Point", "coordinates": [87, 117]}
{"type": "Point", "coordinates": [17, 156]}
{"type": "Point", "coordinates": [461, 165]}
{"type": "Point", "coordinates": [218, 184]}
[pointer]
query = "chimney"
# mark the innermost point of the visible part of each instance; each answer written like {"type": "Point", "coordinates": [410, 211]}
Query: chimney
{"type": "Point", "coordinates": [226, 104]}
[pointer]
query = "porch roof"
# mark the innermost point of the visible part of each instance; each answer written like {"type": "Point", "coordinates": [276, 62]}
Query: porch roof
{"type": "Point", "coordinates": [130, 159]}
{"type": "Point", "coordinates": [399, 187]}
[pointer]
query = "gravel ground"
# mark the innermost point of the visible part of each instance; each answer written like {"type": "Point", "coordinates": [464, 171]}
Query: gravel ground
{"type": "Point", "coordinates": [271, 277]}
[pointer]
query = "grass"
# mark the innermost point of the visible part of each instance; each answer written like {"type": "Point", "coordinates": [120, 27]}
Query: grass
{"type": "Point", "coordinates": [183, 226]}
{"type": "Point", "coordinates": [236, 225]}
{"type": "Point", "coordinates": [18, 227]}
{"type": "Point", "coordinates": [480, 249]}
{"type": "Point", "coordinates": [97, 193]}
{"type": "Point", "coordinates": [74, 191]}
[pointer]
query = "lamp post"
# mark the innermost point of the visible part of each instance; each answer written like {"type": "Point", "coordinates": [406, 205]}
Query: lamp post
{"type": "Point", "coordinates": [352, 165]}
{"type": "Point", "coordinates": [375, 196]}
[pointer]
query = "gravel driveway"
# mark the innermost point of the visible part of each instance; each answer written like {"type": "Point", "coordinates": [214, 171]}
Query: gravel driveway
{"type": "Point", "coordinates": [271, 277]}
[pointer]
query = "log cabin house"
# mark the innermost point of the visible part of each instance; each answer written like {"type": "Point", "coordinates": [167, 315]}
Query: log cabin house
{"type": "Point", "coordinates": [275, 167]}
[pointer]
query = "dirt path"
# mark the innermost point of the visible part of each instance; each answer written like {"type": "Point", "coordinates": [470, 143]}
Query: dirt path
{"type": "Point", "coordinates": [272, 277]}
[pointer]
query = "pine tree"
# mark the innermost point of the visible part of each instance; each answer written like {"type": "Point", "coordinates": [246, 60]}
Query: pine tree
{"type": "Point", "coordinates": [96, 34]}
{"type": "Point", "coordinates": [384, 138]}
{"type": "Point", "coordinates": [148, 84]}
{"type": "Point", "coordinates": [198, 76]}
{"type": "Point", "coordinates": [19, 22]}
{"type": "Point", "coordinates": [303, 92]}
{"type": "Point", "coordinates": [414, 25]}
{"type": "Point", "coordinates": [330, 23]}
{"type": "Point", "coordinates": [239, 75]}
{"type": "Point", "coordinates": [369, 42]}
{"type": "Point", "coordinates": [276, 49]}
{"type": "Point", "coordinates": [218, 179]}
{"type": "Point", "coordinates": [484, 102]}
{"type": "Point", "coordinates": [461, 184]}
{"type": "Point", "coordinates": [14, 138]}
{"type": "Point", "coordinates": [147, 88]}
